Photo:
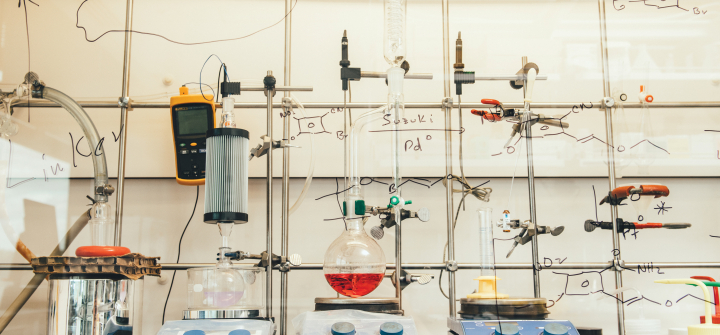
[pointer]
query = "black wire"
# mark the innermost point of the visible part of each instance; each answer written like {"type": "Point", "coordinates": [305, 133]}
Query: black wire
{"type": "Point", "coordinates": [201, 71]}
{"type": "Point", "coordinates": [77, 25]}
{"type": "Point", "coordinates": [222, 66]}
{"type": "Point", "coordinates": [197, 196]}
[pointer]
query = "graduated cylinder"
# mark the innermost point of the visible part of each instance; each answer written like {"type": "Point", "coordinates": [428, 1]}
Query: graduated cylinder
{"type": "Point", "coordinates": [226, 176]}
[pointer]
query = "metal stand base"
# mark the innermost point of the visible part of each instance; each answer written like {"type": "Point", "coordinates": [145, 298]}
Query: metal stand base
{"type": "Point", "coordinates": [504, 309]}
{"type": "Point", "coordinates": [221, 314]}
{"type": "Point", "coordinates": [374, 305]}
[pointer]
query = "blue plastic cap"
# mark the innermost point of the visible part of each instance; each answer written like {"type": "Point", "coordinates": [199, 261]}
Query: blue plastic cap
{"type": "Point", "coordinates": [391, 328]}
{"type": "Point", "coordinates": [504, 328]}
{"type": "Point", "coordinates": [555, 329]}
{"type": "Point", "coordinates": [342, 328]}
{"type": "Point", "coordinates": [240, 332]}
{"type": "Point", "coordinates": [194, 332]}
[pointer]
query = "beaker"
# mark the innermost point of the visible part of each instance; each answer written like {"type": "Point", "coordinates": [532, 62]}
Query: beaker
{"type": "Point", "coordinates": [487, 253]}
{"type": "Point", "coordinates": [354, 263]}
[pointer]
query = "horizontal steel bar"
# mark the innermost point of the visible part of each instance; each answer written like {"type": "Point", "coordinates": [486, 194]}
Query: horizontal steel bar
{"type": "Point", "coordinates": [277, 88]}
{"type": "Point", "coordinates": [440, 266]}
{"type": "Point", "coordinates": [321, 105]}
{"type": "Point", "coordinates": [511, 77]}
{"type": "Point", "coordinates": [370, 74]}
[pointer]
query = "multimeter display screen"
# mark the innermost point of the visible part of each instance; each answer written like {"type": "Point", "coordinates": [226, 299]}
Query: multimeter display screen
{"type": "Point", "coordinates": [192, 121]}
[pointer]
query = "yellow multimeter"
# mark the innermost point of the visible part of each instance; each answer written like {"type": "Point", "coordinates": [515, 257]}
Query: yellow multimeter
{"type": "Point", "coordinates": [192, 117]}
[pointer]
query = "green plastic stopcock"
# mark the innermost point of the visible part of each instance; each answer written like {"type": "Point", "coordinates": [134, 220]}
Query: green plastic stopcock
{"type": "Point", "coordinates": [359, 207]}
{"type": "Point", "coordinates": [395, 200]}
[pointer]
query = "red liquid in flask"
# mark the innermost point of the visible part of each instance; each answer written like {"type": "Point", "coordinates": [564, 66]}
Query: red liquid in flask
{"type": "Point", "coordinates": [354, 285]}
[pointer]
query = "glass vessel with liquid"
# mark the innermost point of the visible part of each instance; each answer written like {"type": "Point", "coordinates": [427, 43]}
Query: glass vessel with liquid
{"type": "Point", "coordinates": [232, 287]}
{"type": "Point", "coordinates": [354, 263]}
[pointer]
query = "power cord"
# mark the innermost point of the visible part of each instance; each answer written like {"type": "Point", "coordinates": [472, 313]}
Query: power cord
{"type": "Point", "coordinates": [197, 196]}
{"type": "Point", "coordinates": [77, 25]}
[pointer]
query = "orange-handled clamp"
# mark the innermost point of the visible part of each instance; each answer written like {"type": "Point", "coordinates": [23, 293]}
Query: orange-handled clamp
{"type": "Point", "coordinates": [621, 193]}
{"type": "Point", "coordinates": [491, 102]}
{"type": "Point", "coordinates": [487, 115]}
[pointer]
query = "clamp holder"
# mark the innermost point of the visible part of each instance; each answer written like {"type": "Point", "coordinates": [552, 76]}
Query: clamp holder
{"type": "Point", "coordinates": [125, 102]}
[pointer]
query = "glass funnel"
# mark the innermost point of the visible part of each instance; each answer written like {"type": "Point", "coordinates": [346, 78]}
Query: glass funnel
{"type": "Point", "coordinates": [354, 263]}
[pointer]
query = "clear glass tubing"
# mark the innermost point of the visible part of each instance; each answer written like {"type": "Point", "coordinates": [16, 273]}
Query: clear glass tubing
{"type": "Point", "coordinates": [487, 254]}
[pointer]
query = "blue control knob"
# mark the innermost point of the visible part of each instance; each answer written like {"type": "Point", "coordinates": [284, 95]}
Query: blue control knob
{"type": "Point", "coordinates": [240, 332]}
{"type": "Point", "coordinates": [391, 328]}
{"type": "Point", "coordinates": [555, 329]}
{"type": "Point", "coordinates": [342, 328]}
{"type": "Point", "coordinates": [194, 332]}
{"type": "Point", "coordinates": [506, 329]}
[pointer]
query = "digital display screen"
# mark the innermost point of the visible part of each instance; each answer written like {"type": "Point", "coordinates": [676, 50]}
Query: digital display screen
{"type": "Point", "coordinates": [192, 120]}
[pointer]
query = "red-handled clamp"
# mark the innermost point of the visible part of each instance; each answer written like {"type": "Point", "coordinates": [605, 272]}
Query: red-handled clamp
{"type": "Point", "coordinates": [488, 115]}
{"type": "Point", "coordinates": [492, 102]}
{"type": "Point", "coordinates": [621, 193]}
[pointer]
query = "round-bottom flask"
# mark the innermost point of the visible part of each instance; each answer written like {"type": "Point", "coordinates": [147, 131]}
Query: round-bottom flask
{"type": "Point", "coordinates": [354, 263]}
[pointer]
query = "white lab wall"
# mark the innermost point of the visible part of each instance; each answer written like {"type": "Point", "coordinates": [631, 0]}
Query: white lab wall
{"type": "Point", "coordinates": [673, 52]}
{"type": "Point", "coordinates": [158, 209]}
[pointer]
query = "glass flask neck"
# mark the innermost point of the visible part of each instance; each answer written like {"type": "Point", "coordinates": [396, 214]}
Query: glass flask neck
{"type": "Point", "coordinates": [355, 225]}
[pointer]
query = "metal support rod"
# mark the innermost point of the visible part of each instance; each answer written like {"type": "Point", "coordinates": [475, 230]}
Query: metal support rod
{"type": "Point", "coordinates": [286, 173]}
{"type": "Point", "coordinates": [511, 77]}
{"type": "Point", "coordinates": [269, 199]}
{"type": "Point", "coordinates": [408, 105]}
{"type": "Point", "coordinates": [434, 266]}
{"type": "Point", "coordinates": [124, 105]}
{"type": "Point", "coordinates": [397, 181]}
{"type": "Point", "coordinates": [447, 102]}
{"type": "Point", "coordinates": [372, 74]}
{"type": "Point", "coordinates": [531, 187]}
{"type": "Point", "coordinates": [611, 162]}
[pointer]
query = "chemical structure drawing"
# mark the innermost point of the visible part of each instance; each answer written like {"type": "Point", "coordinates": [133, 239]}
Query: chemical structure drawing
{"type": "Point", "coordinates": [586, 139]}
{"type": "Point", "coordinates": [311, 125]}
{"type": "Point", "coordinates": [658, 4]}
{"type": "Point", "coordinates": [584, 284]}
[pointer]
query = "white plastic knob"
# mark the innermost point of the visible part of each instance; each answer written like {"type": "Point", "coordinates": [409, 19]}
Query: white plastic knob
{"type": "Point", "coordinates": [295, 259]}
{"type": "Point", "coordinates": [167, 80]}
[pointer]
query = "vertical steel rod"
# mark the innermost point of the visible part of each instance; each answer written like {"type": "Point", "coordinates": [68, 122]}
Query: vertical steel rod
{"type": "Point", "coordinates": [448, 154]}
{"type": "Point", "coordinates": [286, 173]}
{"type": "Point", "coordinates": [269, 199]}
{"type": "Point", "coordinates": [397, 181]}
{"type": "Point", "coordinates": [531, 188]}
{"type": "Point", "coordinates": [120, 195]}
{"type": "Point", "coordinates": [611, 160]}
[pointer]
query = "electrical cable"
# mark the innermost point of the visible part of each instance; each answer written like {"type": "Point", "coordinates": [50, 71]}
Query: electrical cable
{"type": "Point", "coordinates": [210, 87]}
{"type": "Point", "coordinates": [77, 25]}
{"type": "Point", "coordinates": [197, 196]}
{"type": "Point", "coordinates": [222, 64]}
